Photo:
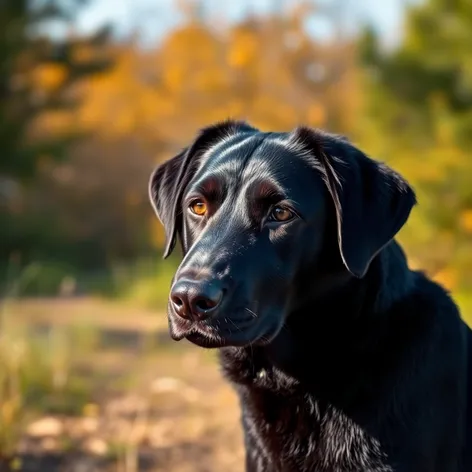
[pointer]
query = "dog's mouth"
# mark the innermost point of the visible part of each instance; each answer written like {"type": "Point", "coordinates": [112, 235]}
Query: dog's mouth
{"type": "Point", "coordinates": [223, 334]}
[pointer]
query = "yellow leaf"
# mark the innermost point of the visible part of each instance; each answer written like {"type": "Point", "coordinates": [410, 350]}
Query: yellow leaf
{"type": "Point", "coordinates": [241, 51]}
{"type": "Point", "coordinates": [447, 277]}
{"type": "Point", "coordinates": [316, 115]}
{"type": "Point", "coordinates": [91, 410]}
{"type": "Point", "coordinates": [15, 463]}
{"type": "Point", "coordinates": [157, 231]}
{"type": "Point", "coordinates": [49, 76]}
{"type": "Point", "coordinates": [466, 221]}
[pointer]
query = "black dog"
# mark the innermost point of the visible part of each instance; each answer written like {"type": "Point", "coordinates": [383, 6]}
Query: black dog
{"type": "Point", "coordinates": [344, 359]}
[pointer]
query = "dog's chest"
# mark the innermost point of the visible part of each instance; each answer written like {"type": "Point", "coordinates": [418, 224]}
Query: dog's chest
{"type": "Point", "coordinates": [294, 432]}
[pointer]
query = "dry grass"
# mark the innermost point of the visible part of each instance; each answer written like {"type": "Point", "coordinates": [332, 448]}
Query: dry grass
{"type": "Point", "coordinates": [145, 403]}
{"type": "Point", "coordinates": [88, 385]}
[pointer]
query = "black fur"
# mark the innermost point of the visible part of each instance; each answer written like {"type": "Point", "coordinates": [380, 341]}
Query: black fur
{"type": "Point", "coordinates": [344, 359]}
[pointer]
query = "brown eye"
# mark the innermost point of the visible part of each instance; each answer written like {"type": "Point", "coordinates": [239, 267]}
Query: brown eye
{"type": "Point", "coordinates": [199, 208]}
{"type": "Point", "coordinates": [281, 214]}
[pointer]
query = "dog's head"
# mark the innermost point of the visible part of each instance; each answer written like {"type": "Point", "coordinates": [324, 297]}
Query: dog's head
{"type": "Point", "coordinates": [253, 211]}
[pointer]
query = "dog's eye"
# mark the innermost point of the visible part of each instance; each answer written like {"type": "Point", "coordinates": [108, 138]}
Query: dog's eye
{"type": "Point", "coordinates": [281, 214]}
{"type": "Point", "coordinates": [198, 207]}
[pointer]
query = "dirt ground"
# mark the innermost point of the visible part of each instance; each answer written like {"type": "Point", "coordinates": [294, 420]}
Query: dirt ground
{"type": "Point", "coordinates": [155, 405]}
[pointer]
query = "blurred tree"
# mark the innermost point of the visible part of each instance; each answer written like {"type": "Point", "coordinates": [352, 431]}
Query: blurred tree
{"type": "Point", "coordinates": [433, 64]}
{"type": "Point", "coordinates": [411, 106]}
{"type": "Point", "coordinates": [419, 115]}
{"type": "Point", "coordinates": [38, 78]}
{"type": "Point", "coordinates": [37, 74]}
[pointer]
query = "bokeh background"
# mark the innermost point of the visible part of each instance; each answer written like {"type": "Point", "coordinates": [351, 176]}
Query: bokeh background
{"type": "Point", "coordinates": [93, 94]}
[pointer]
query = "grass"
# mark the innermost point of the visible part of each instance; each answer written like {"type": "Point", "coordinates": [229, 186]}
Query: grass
{"type": "Point", "coordinates": [144, 283]}
{"type": "Point", "coordinates": [38, 370]}
{"type": "Point", "coordinates": [60, 357]}
{"type": "Point", "coordinates": [39, 374]}
{"type": "Point", "coordinates": [159, 405]}
{"type": "Point", "coordinates": [148, 286]}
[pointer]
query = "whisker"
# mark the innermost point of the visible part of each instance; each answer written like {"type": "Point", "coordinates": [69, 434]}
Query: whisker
{"type": "Point", "coordinates": [234, 324]}
{"type": "Point", "coordinates": [252, 313]}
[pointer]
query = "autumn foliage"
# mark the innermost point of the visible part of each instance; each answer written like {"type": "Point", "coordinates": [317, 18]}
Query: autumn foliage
{"type": "Point", "coordinates": [411, 107]}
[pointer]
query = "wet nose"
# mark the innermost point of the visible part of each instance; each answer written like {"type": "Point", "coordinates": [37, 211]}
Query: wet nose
{"type": "Point", "coordinates": [195, 300]}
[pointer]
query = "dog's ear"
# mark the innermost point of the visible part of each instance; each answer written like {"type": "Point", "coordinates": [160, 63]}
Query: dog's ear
{"type": "Point", "coordinates": [169, 180]}
{"type": "Point", "coordinates": [163, 195]}
{"type": "Point", "coordinates": [372, 202]}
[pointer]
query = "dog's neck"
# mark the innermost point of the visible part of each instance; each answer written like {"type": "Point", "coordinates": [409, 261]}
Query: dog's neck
{"type": "Point", "coordinates": [387, 280]}
{"type": "Point", "coordinates": [327, 329]}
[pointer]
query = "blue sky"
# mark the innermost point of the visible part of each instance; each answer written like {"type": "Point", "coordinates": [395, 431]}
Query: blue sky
{"type": "Point", "coordinates": [153, 18]}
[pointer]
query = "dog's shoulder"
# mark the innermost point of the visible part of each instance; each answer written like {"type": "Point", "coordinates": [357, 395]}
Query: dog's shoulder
{"type": "Point", "coordinates": [412, 292]}
{"type": "Point", "coordinates": [432, 306]}
{"type": "Point", "coordinates": [426, 329]}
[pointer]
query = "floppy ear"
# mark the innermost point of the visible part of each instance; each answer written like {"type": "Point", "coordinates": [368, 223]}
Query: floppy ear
{"type": "Point", "coordinates": [169, 180]}
{"type": "Point", "coordinates": [372, 202]}
{"type": "Point", "coordinates": [163, 196]}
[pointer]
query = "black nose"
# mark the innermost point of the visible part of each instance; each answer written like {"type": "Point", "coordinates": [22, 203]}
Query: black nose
{"type": "Point", "coordinates": [196, 300]}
